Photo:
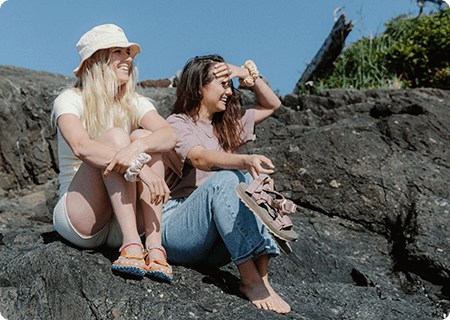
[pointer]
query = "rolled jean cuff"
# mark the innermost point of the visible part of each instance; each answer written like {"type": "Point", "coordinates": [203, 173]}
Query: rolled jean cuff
{"type": "Point", "coordinates": [272, 254]}
{"type": "Point", "coordinates": [264, 247]}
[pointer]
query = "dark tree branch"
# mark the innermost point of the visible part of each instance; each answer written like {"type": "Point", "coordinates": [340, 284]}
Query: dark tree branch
{"type": "Point", "coordinates": [328, 53]}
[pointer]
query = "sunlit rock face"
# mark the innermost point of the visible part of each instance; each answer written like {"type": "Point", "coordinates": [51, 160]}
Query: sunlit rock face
{"type": "Point", "coordinates": [369, 171]}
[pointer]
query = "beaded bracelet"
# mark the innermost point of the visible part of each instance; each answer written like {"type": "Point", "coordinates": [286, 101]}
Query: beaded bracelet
{"type": "Point", "coordinates": [136, 166]}
{"type": "Point", "coordinates": [254, 73]}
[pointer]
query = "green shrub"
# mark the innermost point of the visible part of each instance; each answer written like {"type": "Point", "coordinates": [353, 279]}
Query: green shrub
{"type": "Point", "coordinates": [410, 53]}
{"type": "Point", "coordinates": [421, 49]}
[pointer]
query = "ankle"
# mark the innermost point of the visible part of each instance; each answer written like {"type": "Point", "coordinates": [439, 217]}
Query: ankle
{"type": "Point", "coordinates": [249, 273]}
{"type": "Point", "coordinates": [251, 280]}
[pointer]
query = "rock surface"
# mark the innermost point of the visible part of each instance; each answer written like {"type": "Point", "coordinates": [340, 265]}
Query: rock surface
{"type": "Point", "coordinates": [369, 171]}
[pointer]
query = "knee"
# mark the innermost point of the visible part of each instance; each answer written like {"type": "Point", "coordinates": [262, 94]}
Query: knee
{"type": "Point", "coordinates": [117, 138]}
{"type": "Point", "coordinates": [228, 178]}
{"type": "Point", "coordinates": [138, 134]}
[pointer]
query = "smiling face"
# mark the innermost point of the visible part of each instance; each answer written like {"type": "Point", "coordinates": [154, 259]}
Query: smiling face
{"type": "Point", "coordinates": [215, 95]}
{"type": "Point", "coordinates": [121, 63]}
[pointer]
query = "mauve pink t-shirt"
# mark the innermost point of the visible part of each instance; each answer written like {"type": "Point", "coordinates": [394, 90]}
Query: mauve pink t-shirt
{"type": "Point", "coordinates": [181, 177]}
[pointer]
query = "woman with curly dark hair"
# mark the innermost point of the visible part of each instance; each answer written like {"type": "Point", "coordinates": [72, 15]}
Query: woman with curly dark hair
{"type": "Point", "coordinates": [205, 222]}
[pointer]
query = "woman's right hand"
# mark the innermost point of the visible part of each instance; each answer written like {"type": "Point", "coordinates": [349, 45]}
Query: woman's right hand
{"type": "Point", "coordinates": [253, 164]}
{"type": "Point", "coordinates": [123, 158]}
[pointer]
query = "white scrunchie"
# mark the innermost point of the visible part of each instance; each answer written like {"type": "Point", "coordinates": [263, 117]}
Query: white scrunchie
{"type": "Point", "coordinates": [136, 166]}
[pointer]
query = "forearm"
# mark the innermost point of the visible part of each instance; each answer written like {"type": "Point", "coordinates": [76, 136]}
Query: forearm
{"type": "Point", "coordinates": [159, 141]}
{"type": "Point", "coordinates": [211, 160]}
{"type": "Point", "coordinates": [94, 153]}
{"type": "Point", "coordinates": [268, 102]}
{"type": "Point", "coordinates": [265, 96]}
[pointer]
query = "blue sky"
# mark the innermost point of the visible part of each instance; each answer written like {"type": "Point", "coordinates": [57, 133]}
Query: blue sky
{"type": "Point", "coordinates": [280, 36]}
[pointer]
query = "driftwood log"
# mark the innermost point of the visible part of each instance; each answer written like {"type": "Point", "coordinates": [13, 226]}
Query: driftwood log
{"type": "Point", "coordinates": [328, 53]}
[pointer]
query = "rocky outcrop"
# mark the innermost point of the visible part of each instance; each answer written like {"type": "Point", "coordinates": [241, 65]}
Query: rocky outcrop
{"type": "Point", "coordinates": [377, 157]}
{"type": "Point", "coordinates": [28, 144]}
{"type": "Point", "coordinates": [160, 83]}
{"type": "Point", "coordinates": [369, 171]}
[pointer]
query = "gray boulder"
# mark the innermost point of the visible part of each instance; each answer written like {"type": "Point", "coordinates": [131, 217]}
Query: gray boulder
{"type": "Point", "coordinates": [368, 169]}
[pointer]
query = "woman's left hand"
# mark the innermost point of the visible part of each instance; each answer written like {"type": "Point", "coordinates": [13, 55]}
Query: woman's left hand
{"type": "Point", "coordinates": [159, 191]}
{"type": "Point", "coordinates": [253, 164]}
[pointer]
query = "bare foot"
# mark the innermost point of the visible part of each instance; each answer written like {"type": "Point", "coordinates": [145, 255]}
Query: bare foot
{"type": "Point", "coordinates": [255, 286]}
{"type": "Point", "coordinates": [283, 304]}
{"type": "Point", "coordinates": [264, 298]}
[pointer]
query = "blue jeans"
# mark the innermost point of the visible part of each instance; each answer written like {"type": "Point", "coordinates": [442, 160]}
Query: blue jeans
{"type": "Point", "coordinates": [213, 226]}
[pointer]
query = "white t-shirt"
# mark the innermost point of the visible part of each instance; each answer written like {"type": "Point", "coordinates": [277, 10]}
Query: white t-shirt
{"type": "Point", "coordinates": [71, 102]}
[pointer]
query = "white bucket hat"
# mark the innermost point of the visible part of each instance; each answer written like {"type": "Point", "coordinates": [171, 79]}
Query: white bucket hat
{"type": "Point", "coordinates": [103, 37]}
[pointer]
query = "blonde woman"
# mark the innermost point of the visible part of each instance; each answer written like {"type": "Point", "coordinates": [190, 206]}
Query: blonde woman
{"type": "Point", "coordinates": [111, 172]}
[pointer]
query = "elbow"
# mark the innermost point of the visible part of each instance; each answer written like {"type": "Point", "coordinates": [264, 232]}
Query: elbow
{"type": "Point", "coordinates": [277, 105]}
{"type": "Point", "coordinates": [79, 150]}
{"type": "Point", "coordinates": [79, 154]}
{"type": "Point", "coordinates": [196, 162]}
{"type": "Point", "coordinates": [199, 163]}
{"type": "Point", "coordinates": [274, 106]}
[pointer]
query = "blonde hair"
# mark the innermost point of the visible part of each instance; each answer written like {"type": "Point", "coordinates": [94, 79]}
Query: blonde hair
{"type": "Point", "coordinates": [106, 103]}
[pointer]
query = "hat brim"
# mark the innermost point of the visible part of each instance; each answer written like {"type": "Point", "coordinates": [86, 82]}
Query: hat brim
{"type": "Point", "coordinates": [135, 49]}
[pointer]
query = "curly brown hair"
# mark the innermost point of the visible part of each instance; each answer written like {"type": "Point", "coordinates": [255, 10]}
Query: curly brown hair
{"type": "Point", "coordinates": [196, 75]}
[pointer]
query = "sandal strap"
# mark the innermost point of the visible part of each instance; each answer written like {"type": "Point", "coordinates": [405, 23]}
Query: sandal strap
{"type": "Point", "coordinates": [281, 222]}
{"type": "Point", "coordinates": [285, 205]}
{"type": "Point", "coordinates": [125, 255]}
{"type": "Point", "coordinates": [156, 247]}
{"type": "Point", "coordinates": [130, 244]}
{"type": "Point", "coordinates": [159, 262]}
{"type": "Point", "coordinates": [260, 190]}
{"type": "Point", "coordinates": [261, 195]}
{"type": "Point", "coordinates": [130, 256]}
{"type": "Point", "coordinates": [156, 261]}
{"type": "Point", "coordinates": [257, 184]}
